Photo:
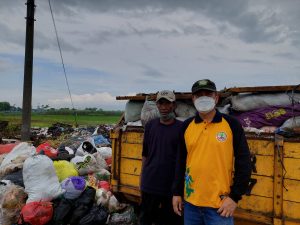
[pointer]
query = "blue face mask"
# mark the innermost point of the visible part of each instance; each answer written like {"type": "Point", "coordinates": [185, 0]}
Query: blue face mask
{"type": "Point", "coordinates": [204, 104]}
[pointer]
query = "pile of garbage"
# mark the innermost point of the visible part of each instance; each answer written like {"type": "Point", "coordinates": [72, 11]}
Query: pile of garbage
{"type": "Point", "coordinates": [277, 112]}
{"type": "Point", "coordinates": [267, 113]}
{"type": "Point", "coordinates": [68, 184]}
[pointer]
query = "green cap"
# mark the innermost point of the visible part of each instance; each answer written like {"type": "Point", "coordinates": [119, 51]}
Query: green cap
{"type": "Point", "coordinates": [204, 84]}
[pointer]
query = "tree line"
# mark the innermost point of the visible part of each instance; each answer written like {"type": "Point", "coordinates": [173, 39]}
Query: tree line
{"type": "Point", "coordinates": [46, 109]}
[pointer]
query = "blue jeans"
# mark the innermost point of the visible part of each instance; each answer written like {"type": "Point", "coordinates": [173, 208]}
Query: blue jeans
{"type": "Point", "coordinates": [195, 215]}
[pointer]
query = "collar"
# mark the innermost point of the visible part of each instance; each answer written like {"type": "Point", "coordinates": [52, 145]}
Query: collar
{"type": "Point", "coordinates": [217, 118]}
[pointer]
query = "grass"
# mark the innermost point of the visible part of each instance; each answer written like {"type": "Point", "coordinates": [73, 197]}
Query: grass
{"type": "Point", "coordinates": [45, 120]}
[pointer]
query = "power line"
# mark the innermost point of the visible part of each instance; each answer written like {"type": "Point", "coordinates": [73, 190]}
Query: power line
{"type": "Point", "coordinates": [62, 61]}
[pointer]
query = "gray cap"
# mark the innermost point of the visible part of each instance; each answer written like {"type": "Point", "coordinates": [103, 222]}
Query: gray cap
{"type": "Point", "coordinates": [169, 95]}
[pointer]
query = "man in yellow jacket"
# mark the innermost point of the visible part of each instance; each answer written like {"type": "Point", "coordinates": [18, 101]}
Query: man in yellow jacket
{"type": "Point", "coordinates": [212, 146]}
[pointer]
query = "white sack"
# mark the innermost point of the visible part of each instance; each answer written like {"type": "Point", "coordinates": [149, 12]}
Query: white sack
{"type": "Point", "coordinates": [149, 112]}
{"type": "Point", "coordinates": [246, 102]}
{"type": "Point", "coordinates": [40, 180]}
{"type": "Point", "coordinates": [224, 109]}
{"type": "Point", "coordinates": [185, 110]}
{"type": "Point", "coordinates": [291, 123]}
{"type": "Point", "coordinates": [105, 152]}
{"type": "Point", "coordinates": [133, 111]}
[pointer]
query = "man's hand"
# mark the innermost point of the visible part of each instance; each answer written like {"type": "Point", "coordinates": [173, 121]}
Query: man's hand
{"type": "Point", "coordinates": [177, 205]}
{"type": "Point", "coordinates": [227, 207]}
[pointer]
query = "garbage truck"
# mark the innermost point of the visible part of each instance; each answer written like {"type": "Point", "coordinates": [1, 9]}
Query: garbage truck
{"type": "Point", "coordinates": [273, 195]}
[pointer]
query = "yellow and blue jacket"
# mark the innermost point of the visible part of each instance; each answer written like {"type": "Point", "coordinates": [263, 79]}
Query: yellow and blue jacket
{"type": "Point", "coordinates": [213, 161]}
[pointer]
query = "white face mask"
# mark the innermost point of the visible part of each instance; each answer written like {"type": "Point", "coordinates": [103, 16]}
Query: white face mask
{"type": "Point", "coordinates": [204, 104]}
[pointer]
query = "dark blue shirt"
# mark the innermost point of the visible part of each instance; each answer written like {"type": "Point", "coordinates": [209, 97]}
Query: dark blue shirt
{"type": "Point", "coordinates": [160, 148]}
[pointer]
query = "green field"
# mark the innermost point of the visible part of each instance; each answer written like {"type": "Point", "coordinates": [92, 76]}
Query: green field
{"type": "Point", "coordinates": [45, 120]}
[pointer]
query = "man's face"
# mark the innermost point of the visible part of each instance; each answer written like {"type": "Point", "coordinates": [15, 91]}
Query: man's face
{"type": "Point", "coordinates": [164, 106]}
{"type": "Point", "coordinates": [207, 93]}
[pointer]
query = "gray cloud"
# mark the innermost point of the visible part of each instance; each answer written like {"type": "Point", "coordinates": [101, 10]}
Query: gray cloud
{"type": "Point", "coordinates": [41, 41]}
{"type": "Point", "coordinates": [104, 36]}
{"type": "Point", "coordinates": [296, 42]}
{"type": "Point", "coordinates": [10, 36]}
{"type": "Point", "coordinates": [250, 61]}
{"type": "Point", "coordinates": [3, 66]}
{"type": "Point", "coordinates": [257, 51]}
{"type": "Point", "coordinates": [151, 72]}
{"type": "Point", "coordinates": [214, 58]}
{"type": "Point", "coordinates": [286, 55]}
{"type": "Point", "coordinates": [254, 26]}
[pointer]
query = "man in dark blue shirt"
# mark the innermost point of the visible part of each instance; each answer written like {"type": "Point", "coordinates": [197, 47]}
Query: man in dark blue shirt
{"type": "Point", "coordinates": [158, 164]}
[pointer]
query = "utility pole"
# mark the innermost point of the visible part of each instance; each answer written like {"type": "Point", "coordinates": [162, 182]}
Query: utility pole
{"type": "Point", "coordinates": [27, 86]}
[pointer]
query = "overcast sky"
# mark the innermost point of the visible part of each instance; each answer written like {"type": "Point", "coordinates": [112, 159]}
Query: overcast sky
{"type": "Point", "coordinates": [113, 48]}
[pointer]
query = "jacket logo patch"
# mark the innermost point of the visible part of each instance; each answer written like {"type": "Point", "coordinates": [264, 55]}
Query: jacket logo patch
{"type": "Point", "coordinates": [221, 136]}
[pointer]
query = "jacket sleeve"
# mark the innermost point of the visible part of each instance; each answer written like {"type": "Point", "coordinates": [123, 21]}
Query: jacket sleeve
{"type": "Point", "coordinates": [145, 140]}
{"type": "Point", "coordinates": [242, 162]}
{"type": "Point", "coordinates": [178, 183]}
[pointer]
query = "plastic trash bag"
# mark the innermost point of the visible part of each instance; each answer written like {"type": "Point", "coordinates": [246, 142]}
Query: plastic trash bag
{"type": "Point", "coordinates": [7, 148]}
{"type": "Point", "coordinates": [104, 184]}
{"type": "Point", "coordinates": [100, 161]}
{"type": "Point", "coordinates": [15, 177]}
{"type": "Point", "coordinates": [74, 186]}
{"type": "Point", "coordinates": [62, 210]}
{"type": "Point", "coordinates": [64, 169]}
{"type": "Point", "coordinates": [40, 180]}
{"type": "Point", "coordinates": [12, 201]}
{"type": "Point", "coordinates": [89, 163]}
{"type": "Point", "coordinates": [102, 197]}
{"type": "Point", "coordinates": [127, 217]}
{"type": "Point", "coordinates": [15, 159]}
{"type": "Point", "coordinates": [46, 149]}
{"type": "Point", "coordinates": [98, 215]}
{"type": "Point", "coordinates": [82, 205]}
{"type": "Point", "coordinates": [64, 153]}
{"type": "Point", "coordinates": [102, 174]}
{"type": "Point", "coordinates": [36, 213]}
{"type": "Point", "coordinates": [114, 205]}
{"type": "Point", "coordinates": [99, 140]}
{"type": "Point", "coordinates": [86, 147]}
{"type": "Point", "coordinates": [105, 152]}
{"type": "Point", "coordinates": [91, 180]}
{"type": "Point", "coordinates": [2, 156]}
